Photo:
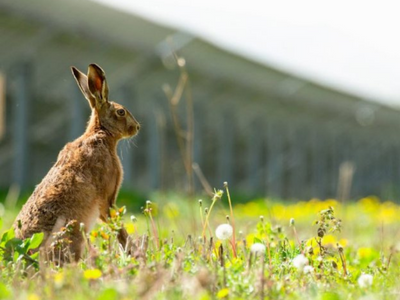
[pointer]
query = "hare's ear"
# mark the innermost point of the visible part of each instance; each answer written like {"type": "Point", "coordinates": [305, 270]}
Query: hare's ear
{"type": "Point", "coordinates": [82, 81]}
{"type": "Point", "coordinates": [98, 84]}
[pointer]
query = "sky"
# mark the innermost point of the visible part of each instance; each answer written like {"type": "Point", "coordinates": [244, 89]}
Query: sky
{"type": "Point", "coordinates": [350, 45]}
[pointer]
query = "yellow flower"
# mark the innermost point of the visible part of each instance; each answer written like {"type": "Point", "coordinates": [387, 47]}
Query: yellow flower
{"type": "Point", "coordinates": [222, 293]}
{"type": "Point", "coordinates": [92, 274]}
{"type": "Point", "coordinates": [171, 210]}
{"type": "Point", "coordinates": [33, 297]}
{"type": "Point", "coordinates": [343, 242]}
{"type": "Point", "coordinates": [59, 279]}
{"type": "Point", "coordinates": [113, 213]}
{"type": "Point", "coordinates": [329, 240]}
{"type": "Point", "coordinates": [130, 228]}
{"type": "Point", "coordinates": [367, 253]}
{"type": "Point", "coordinates": [104, 235]}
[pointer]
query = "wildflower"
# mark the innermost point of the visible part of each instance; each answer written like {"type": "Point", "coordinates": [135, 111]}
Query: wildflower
{"type": "Point", "coordinates": [33, 297]}
{"type": "Point", "coordinates": [300, 261]}
{"type": "Point", "coordinates": [104, 235]}
{"type": "Point", "coordinates": [223, 293]}
{"type": "Point", "coordinates": [308, 269]}
{"type": "Point", "coordinates": [257, 248]}
{"type": "Point", "coordinates": [217, 195]}
{"type": "Point", "coordinates": [224, 231]}
{"type": "Point", "coordinates": [365, 280]}
{"type": "Point", "coordinates": [92, 274]}
{"type": "Point", "coordinates": [58, 280]}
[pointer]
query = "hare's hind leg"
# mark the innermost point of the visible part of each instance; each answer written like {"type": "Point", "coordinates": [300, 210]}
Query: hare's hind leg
{"type": "Point", "coordinates": [76, 247]}
{"type": "Point", "coordinates": [123, 237]}
{"type": "Point", "coordinates": [66, 241]}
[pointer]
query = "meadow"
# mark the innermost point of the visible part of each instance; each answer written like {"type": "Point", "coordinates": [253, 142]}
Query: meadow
{"type": "Point", "coordinates": [183, 247]}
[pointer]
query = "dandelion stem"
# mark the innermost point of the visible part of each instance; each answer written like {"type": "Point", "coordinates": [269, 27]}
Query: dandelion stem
{"type": "Point", "coordinates": [207, 216]}
{"type": "Point", "coordinates": [201, 214]}
{"type": "Point", "coordinates": [262, 296]}
{"type": "Point", "coordinates": [217, 195]}
{"type": "Point", "coordinates": [269, 256]}
{"type": "Point", "coordinates": [153, 225]}
{"type": "Point", "coordinates": [297, 239]}
{"type": "Point", "coordinates": [232, 220]}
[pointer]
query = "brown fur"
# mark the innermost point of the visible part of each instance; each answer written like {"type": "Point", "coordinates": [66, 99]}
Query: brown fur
{"type": "Point", "coordinates": [83, 184]}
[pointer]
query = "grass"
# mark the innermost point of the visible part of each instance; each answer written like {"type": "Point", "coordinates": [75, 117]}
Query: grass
{"type": "Point", "coordinates": [313, 249]}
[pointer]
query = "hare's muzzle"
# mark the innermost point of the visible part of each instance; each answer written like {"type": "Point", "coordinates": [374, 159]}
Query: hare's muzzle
{"type": "Point", "coordinates": [133, 129]}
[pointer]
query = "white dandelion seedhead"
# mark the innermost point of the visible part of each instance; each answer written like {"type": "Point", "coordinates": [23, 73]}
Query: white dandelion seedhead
{"type": "Point", "coordinates": [257, 248]}
{"type": "Point", "coordinates": [308, 270]}
{"type": "Point", "coordinates": [300, 261]}
{"type": "Point", "coordinates": [365, 280]}
{"type": "Point", "coordinates": [224, 231]}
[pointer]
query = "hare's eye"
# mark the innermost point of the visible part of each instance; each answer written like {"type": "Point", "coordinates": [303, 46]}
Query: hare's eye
{"type": "Point", "coordinates": [121, 112]}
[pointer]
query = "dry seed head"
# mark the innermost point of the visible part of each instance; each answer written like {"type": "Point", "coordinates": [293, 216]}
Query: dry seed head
{"type": "Point", "coordinates": [308, 269]}
{"type": "Point", "coordinates": [291, 222]}
{"type": "Point", "coordinates": [181, 62]}
{"type": "Point", "coordinates": [300, 261]}
{"type": "Point", "coordinates": [225, 184]}
{"type": "Point", "coordinates": [224, 231]}
{"type": "Point", "coordinates": [321, 232]}
{"type": "Point", "coordinates": [133, 218]}
{"type": "Point", "coordinates": [334, 264]}
{"type": "Point", "coordinates": [257, 248]}
{"type": "Point", "coordinates": [218, 195]}
{"type": "Point", "coordinates": [262, 218]}
{"type": "Point", "coordinates": [200, 202]}
{"type": "Point", "coordinates": [365, 280]}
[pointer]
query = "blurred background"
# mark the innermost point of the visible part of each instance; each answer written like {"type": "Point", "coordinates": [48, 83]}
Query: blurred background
{"type": "Point", "coordinates": [280, 100]}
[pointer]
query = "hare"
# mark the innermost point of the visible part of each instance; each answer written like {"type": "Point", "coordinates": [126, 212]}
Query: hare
{"type": "Point", "coordinates": [83, 183]}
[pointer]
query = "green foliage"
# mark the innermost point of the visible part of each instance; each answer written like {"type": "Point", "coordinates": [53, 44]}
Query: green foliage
{"type": "Point", "coordinates": [13, 250]}
{"type": "Point", "coordinates": [4, 291]}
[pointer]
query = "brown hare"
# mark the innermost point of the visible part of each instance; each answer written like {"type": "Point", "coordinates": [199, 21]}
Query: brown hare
{"type": "Point", "coordinates": [83, 183]}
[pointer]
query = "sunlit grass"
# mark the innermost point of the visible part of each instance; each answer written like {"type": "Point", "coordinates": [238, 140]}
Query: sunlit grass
{"type": "Point", "coordinates": [174, 253]}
